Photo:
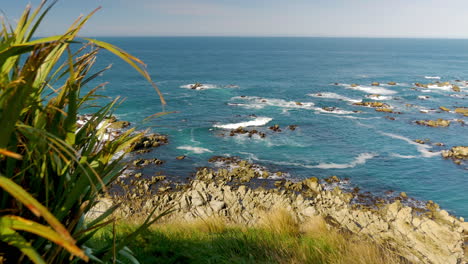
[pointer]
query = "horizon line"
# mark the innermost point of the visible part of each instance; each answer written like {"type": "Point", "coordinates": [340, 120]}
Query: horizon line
{"type": "Point", "coordinates": [270, 36]}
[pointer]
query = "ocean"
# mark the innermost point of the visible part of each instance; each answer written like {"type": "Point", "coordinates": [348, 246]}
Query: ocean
{"type": "Point", "coordinates": [260, 82]}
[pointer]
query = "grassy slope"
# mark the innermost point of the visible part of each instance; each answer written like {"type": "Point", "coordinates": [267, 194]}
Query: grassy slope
{"type": "Point", "coordinates": [278, 239]}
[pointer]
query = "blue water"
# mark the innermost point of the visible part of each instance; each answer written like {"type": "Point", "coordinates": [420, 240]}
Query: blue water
{"type": "Point", "coordinates": [374, 152]}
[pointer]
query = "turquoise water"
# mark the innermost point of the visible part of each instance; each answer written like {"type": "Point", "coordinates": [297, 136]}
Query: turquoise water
{"type": "Point", "coordinates": [265, 77]}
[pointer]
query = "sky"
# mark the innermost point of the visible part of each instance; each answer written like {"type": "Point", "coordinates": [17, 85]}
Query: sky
{"type": "Point", "coordinates": [315, 18]}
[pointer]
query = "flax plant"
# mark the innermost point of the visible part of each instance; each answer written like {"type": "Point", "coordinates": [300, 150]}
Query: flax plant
{"type": "Point", "coordinates": [51, 171]}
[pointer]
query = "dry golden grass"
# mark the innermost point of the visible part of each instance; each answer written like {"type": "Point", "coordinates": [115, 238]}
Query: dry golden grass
{"type": "Point", "coordinates": [279, 221]}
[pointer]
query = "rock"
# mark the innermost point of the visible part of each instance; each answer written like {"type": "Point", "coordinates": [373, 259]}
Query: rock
{"type": "Point", "coordinates": [391, 83]}
{"type": "Point", "coordinates": [434, 123]}
{"type": "Point", "coordinates": [419, 141]}
{"type": "Point", "coordinates": [298, 103]}
{"type": "Point", "coordinates": [332, 179]}
{"type": "Point", "coordinates": [458, 152]}
{"type": "Point", "coordinates": [375, 84]}
{"type": "Point", "coordinates": [444, 109]}
{"type": "Point", "coordinates": [217, 205]}
{"type": "Point", "coordinates": [275, 128]}
{"type": "Point", "coordinates": [373, 104]}
{"type": "Point", "coordinates": [196, 86]}
{"type": "Point", "coordinates": [456, 88]}
{"type": "Point", "coordinates": [354, 85]}
{"type": "Point", "coordinates": [403, 195]}
{"type": "Point", "coordinates": [385, 110]}
{"type": "Point", "coordinates": [462, 110]}
{"type": "Point", "coordinates": [164, 189]}
{"type": "Point", "coordinates": [119, 125]}
{"type": "Point", "coordinates": [149, 141]}
{"type": "Point", "coordinates": [292, 127]}
{"type": "Point", "coordinates": [180, 157]}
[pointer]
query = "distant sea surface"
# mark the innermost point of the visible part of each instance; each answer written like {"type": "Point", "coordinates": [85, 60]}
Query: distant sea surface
{"type": "Point", "coordinates": [289, 81]}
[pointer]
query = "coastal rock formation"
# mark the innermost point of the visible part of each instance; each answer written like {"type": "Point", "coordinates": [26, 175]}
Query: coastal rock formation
{"type": "Point", "coordinates": [391, 83]}
{"type": "Point", "coordinates": [373, 104]}
{"type": "Point", "coordinates": [462, 110]}
{"type": "Point", "coordinates": [445, 109]}
{"type": "Point", "coordinates": [431, 236]}
{"type": "Point", "coordinates": [434, 123]}
{"type": "Point", "coordinates": [149, 141]}
{"type": "Point", "coordinates": [459, 152]}
{"type": "Point", "coordinates": [119, 125]}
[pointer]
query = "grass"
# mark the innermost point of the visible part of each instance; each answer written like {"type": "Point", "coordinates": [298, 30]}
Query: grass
{"type": "Point", "coordinates": [213, 240]}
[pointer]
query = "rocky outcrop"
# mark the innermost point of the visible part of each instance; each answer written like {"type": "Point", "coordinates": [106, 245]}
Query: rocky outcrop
{"type": "Point", "coordinates": [445, 109]}
{"type": "Point", "coordinates": [373, 104]}
{"type": "Point", "coordinates": [462, 110]}
{"type": "Point", "coordinates": [119, 125]}
{"type": "Point", "coordinates": [429, 236]}
{"type": "Point", "coordinates": [458, 154]}
{"type": "Point", "coordinates": [434, 123]}
{"type": "Point", "coordinates": [147, 142]}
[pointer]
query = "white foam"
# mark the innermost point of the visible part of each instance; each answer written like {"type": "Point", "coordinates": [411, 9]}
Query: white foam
{"type": "Point", "coordinates": [259, 102]}
{"type": "Point", "coordinates": [197, 150]}
{"type": "Point", "coordinates": [334, 111]}
{"type": "Point", "coordinates": [432, 77]}
{"type": "Point", "coordinates": [334, 96]}
{"type": "Point", "coordinates": [396, 155]}
{"type": "Point", "coordinates": [423, 97]}
{"type": "Point", "coordinates": [259, 121]}
{"type": "Point", "coordinates": [202, 87]}
{"type": "Point", "coordinates": [359, 160]}
{"type": "Point", "coordinates": [371, 89]}
{"type": "Point", "coordinates": [423, 149]}
{"type": "Point", "coordinates": [248, 106]}
{"type": "Point", "coordinates": [437, 87]}
{"type": "Point", "coordinates": [379, 97]}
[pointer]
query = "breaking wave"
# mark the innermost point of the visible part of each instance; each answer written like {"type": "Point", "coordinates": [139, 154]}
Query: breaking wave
{"type": "Point", "coordinates": [259, 121]}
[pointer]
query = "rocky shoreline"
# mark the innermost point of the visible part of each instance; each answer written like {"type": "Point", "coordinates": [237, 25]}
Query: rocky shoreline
{"type": "Point", "coordinates": [239, 191]}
